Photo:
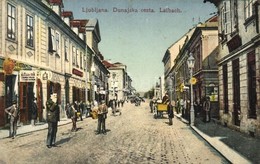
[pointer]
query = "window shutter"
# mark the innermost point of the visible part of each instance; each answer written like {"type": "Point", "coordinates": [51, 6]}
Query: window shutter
{"type": "Point", "coordinates": [228, 18]}
{"type": "Point", "coordinates": [50, 40]}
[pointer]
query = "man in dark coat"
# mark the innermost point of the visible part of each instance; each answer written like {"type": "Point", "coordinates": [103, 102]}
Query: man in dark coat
{"type": "Point", "coordinates": [13, 112]}
{"type": "Point", "coordinates": [170, 112]}
{"type": "Point", "coordinates": [53, 116]}
{"type": "Point", "coordinates": [34, 112]}
{"type": "Point", "coordinates": [165, 99]}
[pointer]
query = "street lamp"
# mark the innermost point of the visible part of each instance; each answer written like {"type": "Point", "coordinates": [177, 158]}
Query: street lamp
{"type": "Point", "coordinates": [114, 75]}
{"type": "Point", "coordinates": [86, 80]}
{"type": "Point", "coordinates": [170, 85]}
{"type": "Point", "coordinates": [93, 81]}
{"type": "Point", "coordinates": [190, 63]}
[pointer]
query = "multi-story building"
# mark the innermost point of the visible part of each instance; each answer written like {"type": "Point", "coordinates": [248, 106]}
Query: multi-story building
{"type": "Point", "coordinates": [239, 64]}
{"type": "Point", "coordinates": [43, 50]}
{"type": "Point", "coordinates": [120, 83]}
{"type": "Point", "coordinates": [201, 42]}
{"type": "Point", "coordinates": [170, 65]}
{"type": "Point", "coordinates": [99, 73]}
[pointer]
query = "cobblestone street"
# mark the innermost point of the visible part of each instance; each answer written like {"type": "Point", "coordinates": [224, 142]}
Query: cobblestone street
{"type": "Point", "coordinates": [133, 137]}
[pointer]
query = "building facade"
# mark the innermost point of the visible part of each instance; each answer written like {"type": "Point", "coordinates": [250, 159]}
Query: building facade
{"type": "Point", "coordinates": [43, 50]}
{"type": "Point", "coordinates": [200, 42]}
{"type": "Point", "coordinates": [239, 64]}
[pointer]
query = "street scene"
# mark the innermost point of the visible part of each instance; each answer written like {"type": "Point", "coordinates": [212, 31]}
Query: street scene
{"type": "Point", "coordinates": [130, 81]}
{"type": "Point", "coordinates": [132, 137]}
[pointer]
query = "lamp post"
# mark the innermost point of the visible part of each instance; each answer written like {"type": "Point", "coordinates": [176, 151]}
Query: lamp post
{"type": "Point", "coordinates": [190, 63]}
{"type": "Point", "coordinates": [114, 76]}
{"type": "Point", "coordinates": [170, 85]}
{"type": "Point", "coordinates": [93, 82]}
{"type": "Point", "coordinates": [86, 80]}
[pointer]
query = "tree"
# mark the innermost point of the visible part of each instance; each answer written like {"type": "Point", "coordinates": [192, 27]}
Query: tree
{"type": "Point", "coordinates": [149, 94]}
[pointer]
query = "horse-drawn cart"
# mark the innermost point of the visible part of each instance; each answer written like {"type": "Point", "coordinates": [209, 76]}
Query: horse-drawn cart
{"type": "Point", "coordinates": [159, 109]}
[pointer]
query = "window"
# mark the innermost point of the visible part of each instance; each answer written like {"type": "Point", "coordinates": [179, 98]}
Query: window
{"type": "Point", "coordinates": [29, 29]}
{"type": "Point", "coordinates": [85, 62]}
{"type": "Point", "coordinates": [57, 43]}
{"type": "Point", "coordinates": [11, 12]}
{"type": "Point", "coordinates": [73, 55]}
{"type": "Point", "coordinates": [234, 20]}
{"type": "Point", "coordinates": [251, 76]}
{"type": "Point", "coordinates": [248, 8]}
{"type": "Point", "coordinates": [225, 18]}
{"type": "Point", "coordinates": [77, 58]}
{"type": "Point", "coordinates": [52, 42]}
{"type": "Point", "coordinates": [66, 50]}
{"type": "Point", "coordinates": [81, 60]}
{"type": "Point", "coordinates": [225, 88]}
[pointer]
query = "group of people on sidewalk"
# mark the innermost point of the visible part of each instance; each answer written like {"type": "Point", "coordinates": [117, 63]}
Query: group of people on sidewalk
{"type": "Point", "coordinates": [202, 108]}
{"type": "Point", "coordinates": [53, 117]}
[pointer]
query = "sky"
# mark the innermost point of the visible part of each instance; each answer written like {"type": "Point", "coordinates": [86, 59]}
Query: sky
{"type": "Point", "coordinates": [139, 38]}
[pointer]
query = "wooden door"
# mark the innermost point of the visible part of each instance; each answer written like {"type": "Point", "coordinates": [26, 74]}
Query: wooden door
{"type": "Point", "coordinates": [39, 100]}
{"type": "Point", "coordinates": [236, 92]}
{"type": "Point", "coordinates": [25, 98]}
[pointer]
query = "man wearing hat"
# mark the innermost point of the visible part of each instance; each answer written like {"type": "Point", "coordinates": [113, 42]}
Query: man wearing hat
{"type": "Point", "coordinates": [102, 115]}
{"type": "Point", "coordinates": [13, 112]}
{"type": "Point", "coordinates": [53, 116]}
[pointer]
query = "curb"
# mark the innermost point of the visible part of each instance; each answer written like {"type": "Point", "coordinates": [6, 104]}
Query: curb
{"type": "Point", "coordinates": [231, 155]}
{"type": "Point", "coordinates": [35, 129]}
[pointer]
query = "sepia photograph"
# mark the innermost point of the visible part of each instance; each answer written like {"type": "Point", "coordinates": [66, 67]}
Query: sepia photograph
{"type": "Point", "coordinates": [129, 81]}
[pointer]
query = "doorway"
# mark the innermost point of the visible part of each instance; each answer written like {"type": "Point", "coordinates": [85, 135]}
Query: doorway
{"type": "Point", "coordinates": [236, 91]}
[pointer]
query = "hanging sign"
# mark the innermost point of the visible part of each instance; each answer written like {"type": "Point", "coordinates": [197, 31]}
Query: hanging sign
{"type": "Point", "coordinates": [45, 75]}
{"type": "Point", "coordinates": [27, 76]}
{"type": "Point", "coordinates": [193, 80]}
{"type": "Point", "coordinates": [8, 66]}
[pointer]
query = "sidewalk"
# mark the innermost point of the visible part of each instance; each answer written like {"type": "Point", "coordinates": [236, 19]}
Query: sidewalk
{"type": "Point", "coordinates": [233, 145]}
{"type": "Point", "coordinates": [23, 129]}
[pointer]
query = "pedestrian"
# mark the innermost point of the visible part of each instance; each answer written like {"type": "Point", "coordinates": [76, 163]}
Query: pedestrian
{"type": "Point", "coordinates": [88, 108]}
{"type": "Point", "coordinates": [73, 117]}
{"type": "Point", "coordinates": [206, 108]}
{"type": "Point", "coordinates": [76, 107]}
{"type": "Point", "coordinates": [53, 116]}
{"type": "Point", "coordinates": [196, 106]}
{"type": "Point", "coordinates": [102, 115]}
{"type": "Point", "coordinates": [178, 106]}
{"type": "Point", "coordinates": [122, 103]}
{"type": "Point", "coordinates": [67, 109]}
{"type": "Point", "coordinates": [34, 112]}
{"type": "Point", "coordinates": [170, 112]}
{"type": "Point", "coordinates": [151, 106]}
{"type": "Point", "coordinates": [118, 103]}
{"type": "Point", "coordinates": [182, 107]}
{"type": "Point", "coordinates": [165, 99]}
{"type": "Point", "coordinates": [13, 114]}
{"type": "Point", "coordinates": [81, 109]}
{"type": "Point", "coordinates": [113, 106]}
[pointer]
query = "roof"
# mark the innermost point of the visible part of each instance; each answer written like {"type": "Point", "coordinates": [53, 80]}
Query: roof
{"type": "Point", "coordinates": [107, 64]}
{"type": "Point", "coordinates": [67, 14]}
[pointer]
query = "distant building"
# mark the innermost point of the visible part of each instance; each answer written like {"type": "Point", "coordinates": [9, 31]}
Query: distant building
{"type": "Point", "coordinates": [120, 83]}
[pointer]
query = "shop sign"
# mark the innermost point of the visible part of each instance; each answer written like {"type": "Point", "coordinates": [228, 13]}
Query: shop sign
{"type": "Point", "coordinates": [28, 76]}
{"type": "Point", "coordinates": [8, 66]}
{"type": "Point", "coordinates": [45, 75]}
{"type": "Point", "coordinates": [77, 72]}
